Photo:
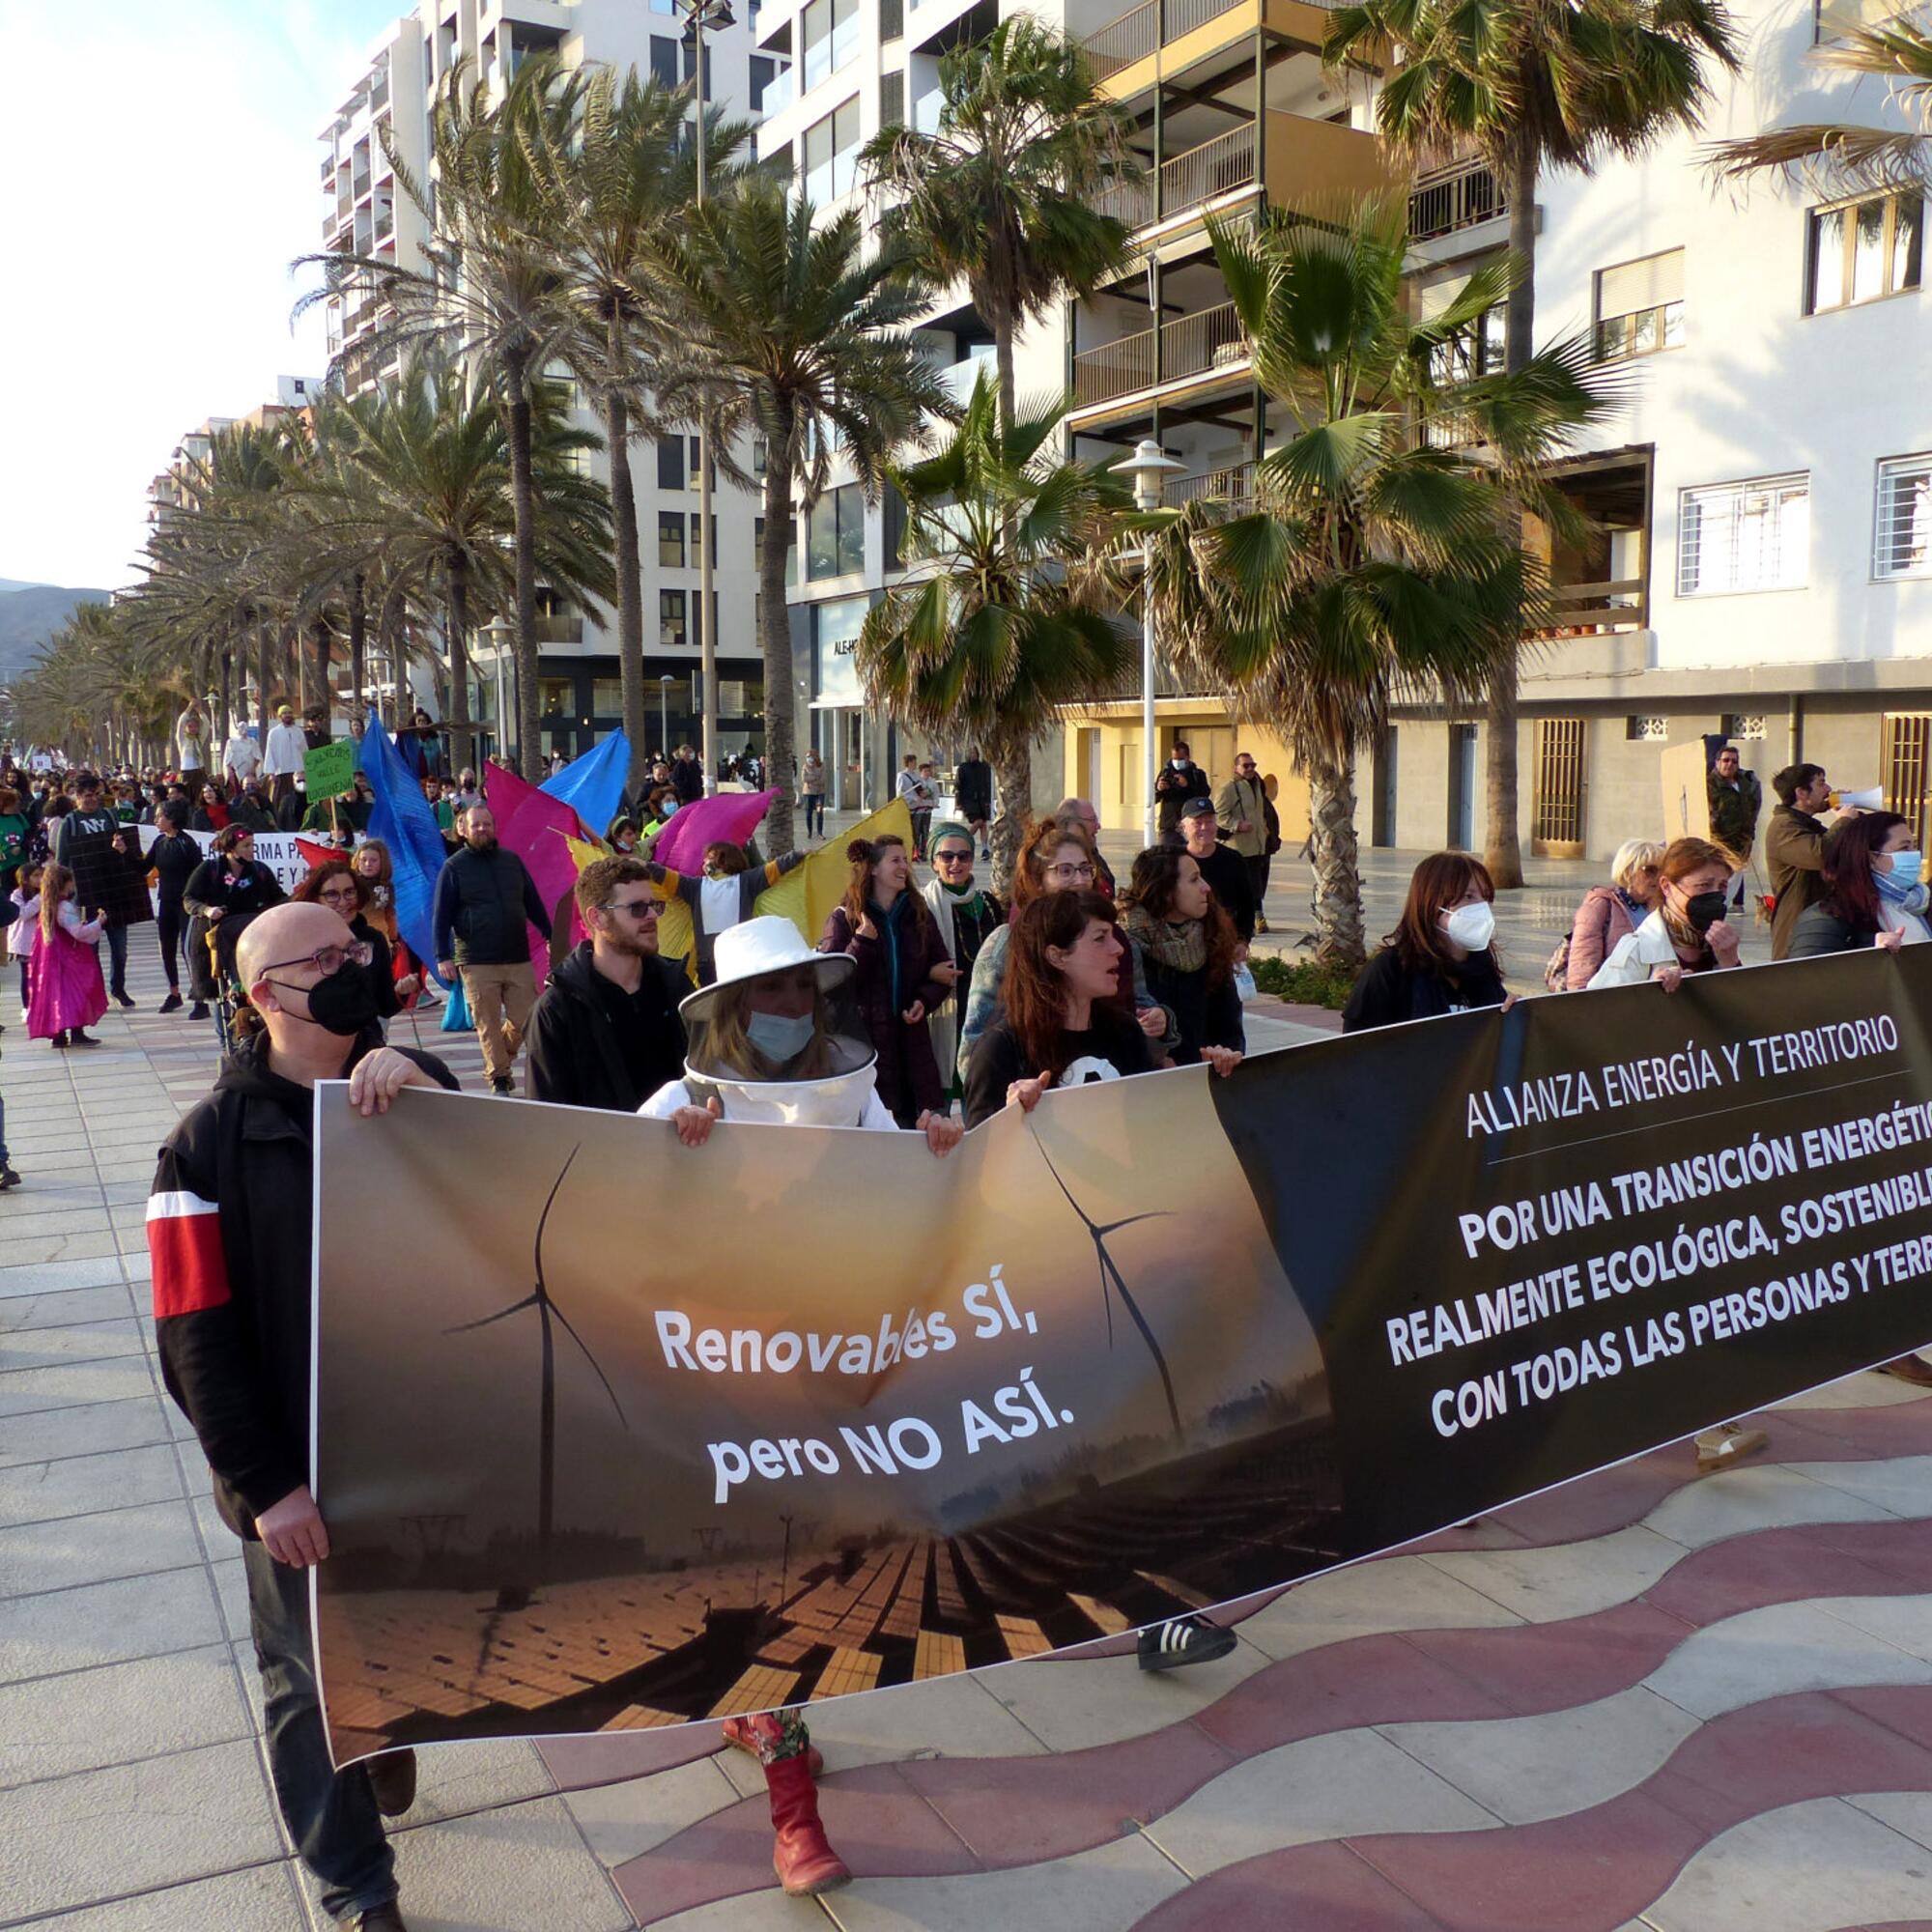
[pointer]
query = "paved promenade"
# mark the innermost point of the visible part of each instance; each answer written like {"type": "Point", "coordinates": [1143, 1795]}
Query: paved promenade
{"type": "Point", "coordinates": [1645, 1701]}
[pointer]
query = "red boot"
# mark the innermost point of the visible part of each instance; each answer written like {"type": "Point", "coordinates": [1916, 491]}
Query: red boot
{"type": "Point", "coordinates": [740, 1733]}
{"type": "Point", "coordinates": [806, 1864]}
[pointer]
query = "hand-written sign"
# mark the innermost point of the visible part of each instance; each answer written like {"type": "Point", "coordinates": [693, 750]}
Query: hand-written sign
{"type": "Point", "coordinates": [329, 768]}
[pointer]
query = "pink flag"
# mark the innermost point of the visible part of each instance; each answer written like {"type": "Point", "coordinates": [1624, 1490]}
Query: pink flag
{"type": "Point", "coordinates": [729, 815]}
{"type": "Point", "coordinates": [534, 826]}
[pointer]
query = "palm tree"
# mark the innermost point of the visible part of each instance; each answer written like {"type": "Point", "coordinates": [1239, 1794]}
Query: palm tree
{"type": "Point", "coordinates": [1002, 192]}
{"type": "Point", "coordinates": [1383, 558]}
{"type": "Point", "coordinates": [1002, 614]}
{"type": "Point", "coordinates": [797, 334]}
{"type": "Point", "coordinates": [1847, 156]}
{"type": "Point", "coordinates": [420, 498]}
{"type": "Point", "coordinates": [492, 285]}
{"type": "Point", "coordinates": [1532, 85]}
{"type": "Point", "coordinates": [617, 179]}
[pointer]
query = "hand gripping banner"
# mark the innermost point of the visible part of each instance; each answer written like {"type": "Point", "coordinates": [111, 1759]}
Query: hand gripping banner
{"type": "Point", "coordinates": [611, 1432]}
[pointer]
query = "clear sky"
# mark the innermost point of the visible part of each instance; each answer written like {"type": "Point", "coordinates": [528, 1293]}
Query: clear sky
{"type": "Point", "coordinates": [161, 172]}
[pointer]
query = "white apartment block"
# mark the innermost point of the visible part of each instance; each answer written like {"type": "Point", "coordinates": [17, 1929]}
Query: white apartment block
{"type": "Point", "coordinates": [1762, 567]}
{"type": "Point", "coordinates": [366, 213]}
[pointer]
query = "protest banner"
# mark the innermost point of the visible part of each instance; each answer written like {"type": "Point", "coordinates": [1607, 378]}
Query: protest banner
{"type": "Point", "coordinates": [286, 854]}
{"type": "Point", "coordinates": [661, 1433]}
{"type": "Point", "coordinates": [328, 770]}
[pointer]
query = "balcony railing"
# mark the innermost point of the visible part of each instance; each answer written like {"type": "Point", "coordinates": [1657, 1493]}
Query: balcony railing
{"type": "Point", "coordinates": [1453, 198]}
{"type": "Point", "coordinates": [1157, 23]}
{"type": "Point", "coordinates": [1232, 485]}
{"type": "Point", "coordinates": [1215, 168]}
{"type": "Point", "coordinates": [1583, 609]}
{"type": "Point", "coordinates": [560, 630]}
{"type": "Point", "coordinates": [1192, 346]}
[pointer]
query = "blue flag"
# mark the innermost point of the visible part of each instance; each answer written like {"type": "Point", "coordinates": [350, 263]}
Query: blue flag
{"type": "Point", "coordinates": [593, 785]}
{"type": "Point", "coordinates": [405, 820]}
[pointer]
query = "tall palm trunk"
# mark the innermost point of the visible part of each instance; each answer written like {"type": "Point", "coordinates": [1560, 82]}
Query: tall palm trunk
{"type": "Point", "coordinates": [775, 635]}
{"type": "Point", "coordinates": [263, 635]}
{"type": "Point", "coordinates": [1013, 775]}
{"type": "Point", "coordinates": [1338, 871]}
{"type": "Point", "coordinates": [227, 720]}
{"type": "Point", "coordinates": [523, 506]}
{"type": "Point", "coordinates": [630, 578]}
{"type": "Point", "coordinates": [1502, 848]}
{"type": "Point", "coordinates": [358, 651]}
{"type": "Point", "coordinates": [325, 641]}
{"type": "Point", "coordinates": [461, 740]}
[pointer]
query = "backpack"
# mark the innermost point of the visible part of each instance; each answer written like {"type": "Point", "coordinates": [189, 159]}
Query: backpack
{"type": "Point", "coordinates": [1556, 975]}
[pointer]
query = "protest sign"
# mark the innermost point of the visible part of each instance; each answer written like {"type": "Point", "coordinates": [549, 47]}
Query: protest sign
{"type": "Point", "coordinates": [328, 769]}
{"type": "Point", "coordinates": [662, 1434]}
{"type": "Point", "coordinates": [107, 880]}
{"type": "Point", "coordinates": [1682, 773]}
{"type": "Point", "coordinates": [282, 852]}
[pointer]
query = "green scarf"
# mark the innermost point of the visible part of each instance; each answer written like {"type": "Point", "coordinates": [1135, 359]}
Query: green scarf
{"type": "Point", "coordinates": [1181, 946]}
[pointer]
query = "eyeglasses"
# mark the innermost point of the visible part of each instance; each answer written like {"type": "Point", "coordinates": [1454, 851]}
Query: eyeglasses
{"type": "Point", "coordinates": [954, 857]}
{"type": "Point", "coordinates": [327, 960]}
{"type": "Point", "coordinates": [347, 893]}
{"type": "Point", "coordinates": [1061, 871]}
{"type": "Point", "coordinates": [636, 908]}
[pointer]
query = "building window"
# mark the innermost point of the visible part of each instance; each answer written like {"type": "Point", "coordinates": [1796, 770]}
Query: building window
{"type": "Point", "coordinates": [694, 530]}
{"type": "Point", "coordinates": [763, 67]}
{"type": "Point", "coordinates": [670, 619]}
{"type": "Point", "coordinates": [670, 539]}
{"type": "Point", "coordinates": [1745, 728]}
{"type": "Point", "coordinates": [663, 60]}
{"type": "Point", "coordinates": [1641, 306]}
{"type": "Point", "coordinates": [690, 51]}
{"type": "Point", "coordinates": [892, 99]}
{"type": "Point", "coordinates": [607, 697]}
{"type": "Point", "coordinates": [1743, 536]}
{"type": "Point", "coordinates": [1861, 250]}
{"type": "Point", "coordinates": [836, 536]}
{"type": "Point", "coordinates": [831, 35]}
{"type": "Point", "coordinates": [1478, 349]}
{"type": "Point", "coordinates": [1902, 541]}
{"type": "Point", "coordinates": [832, 155]}
{"type": "Point", "coordinates": [1647, 731]}
{"type": "Point", "coordinates": [892, 20]}
{"type": "Point", "coordinates": [671, 472]}
{"type": "Point", "coordinates": [894, 528]}
{"type": "Point", "coordinates": [555, 695]}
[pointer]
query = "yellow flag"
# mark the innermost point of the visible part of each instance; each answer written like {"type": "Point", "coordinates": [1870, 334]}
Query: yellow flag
{"type": "Point", "coordinates": [676, 938]}
{"type": "Point", "coordinates": [807, 894]}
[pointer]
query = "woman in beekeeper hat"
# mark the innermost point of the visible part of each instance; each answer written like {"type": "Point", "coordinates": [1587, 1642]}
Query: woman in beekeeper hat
{"type": "Point", "coordinates": [775, 1039]}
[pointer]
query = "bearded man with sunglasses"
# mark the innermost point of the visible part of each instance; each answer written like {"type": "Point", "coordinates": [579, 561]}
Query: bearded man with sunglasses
{"type": "Point", "coordinates": [604, 1031]}
{"type": "Point", "coordinates": [230, 1227]}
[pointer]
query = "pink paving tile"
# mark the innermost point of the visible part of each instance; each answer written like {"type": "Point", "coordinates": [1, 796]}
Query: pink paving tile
{"type": "Point", "coordinates": [1901, 1429]}
{"type": "Point", "coordinates": [1904, 1708]}
{"type": "Point", "coordinates": [1373, 1680]}
{"type": "Point", "coordinates": [1785, 1751]}
{"type": "Point", "coordinates": [881, 1827]}
{"type": "Point", "coordinates": [612, 1757]}
{"type": "Point", "coordinates": [1533, 1667]}
{"type": "Point", "coordinates": [1322, 1887]}
{"type": "Point", "coordinates": [1585, 1873]}
{"type": "Point", "coordinates": [1015, 1811]}
{"type": "Point", "coordinates": [1782, 1566]}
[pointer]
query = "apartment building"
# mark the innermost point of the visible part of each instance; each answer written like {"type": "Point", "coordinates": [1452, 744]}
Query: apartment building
{"type": "Point", "coordinates": [386, 114]}
{"type": "Point", "coordinates": [1761, 561]}
{"type": "Point", "coordinates": [851, 67]}
{"type": "Point", "coordinates": [174, 489]}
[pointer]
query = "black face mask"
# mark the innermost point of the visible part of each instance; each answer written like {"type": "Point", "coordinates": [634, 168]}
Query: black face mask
{"type": "Point", "coordinates": [344, 1003]}
{"type": "Point", "coordinates": [1703, 910]}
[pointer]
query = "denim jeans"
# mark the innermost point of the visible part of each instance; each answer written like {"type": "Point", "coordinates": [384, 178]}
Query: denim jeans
{"type": "Point", "coordinates": [117, 958]}
{"type": "Point", "coordinates": [815, 813]}
{"type": "Point", "coordinates": [331, 1814]}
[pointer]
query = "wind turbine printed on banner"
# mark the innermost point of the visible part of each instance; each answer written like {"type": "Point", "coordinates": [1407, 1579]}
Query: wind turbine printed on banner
{"type": "Point", "coordinates": [1112, 1279]}
{"type": "Point", "coordinates": [539, 1299]}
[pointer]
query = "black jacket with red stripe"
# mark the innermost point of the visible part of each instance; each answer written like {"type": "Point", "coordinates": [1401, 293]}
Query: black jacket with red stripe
{"type": "Point", "coordinates": [230, 1224]}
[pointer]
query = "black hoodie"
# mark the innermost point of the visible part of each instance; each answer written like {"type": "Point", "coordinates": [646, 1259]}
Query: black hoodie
{"type": "Point", "coordinates": [230, 1223]}
{"type": "Point", "coordinates": [576, 1055]}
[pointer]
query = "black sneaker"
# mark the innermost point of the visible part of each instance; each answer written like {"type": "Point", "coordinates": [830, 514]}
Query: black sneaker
{"type": "Point", "coordinates": [1184, 1641]}
{"type": "Point", "coordinates": [199, 1010]}
{"type": "Point", "coordinates": [8, 1177]}
{"type": "Point", "coordinates": [77, 1037]}
{"type": "Point", "coordinates": [59, 1040]}
{"type": "Point", "coordinates": [503, 1084]}
{"type": "Point", "coordinates": [121, 999]}
{"type": "Point", "coordinates": [171, 1005]}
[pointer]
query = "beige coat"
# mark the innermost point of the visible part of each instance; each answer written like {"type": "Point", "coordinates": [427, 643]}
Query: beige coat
{"type": "Point", "coordinates": [1794, 856]}
{"type": "Point", "coordinates": [1239, 799]}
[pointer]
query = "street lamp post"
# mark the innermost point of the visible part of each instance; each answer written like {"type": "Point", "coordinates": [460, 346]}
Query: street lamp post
{"type": "Point", "coordinates": [1148, 466]}
{"type": "Point", "coordinates": [702, 15]}
{"type": "Point", "coordinates": [665, 683]}
{"type": "Point", "coordinates": [498, 631]}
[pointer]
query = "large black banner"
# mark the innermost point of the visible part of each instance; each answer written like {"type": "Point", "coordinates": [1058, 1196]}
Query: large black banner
{"type": "Point", "coordinates": [612, 1433]}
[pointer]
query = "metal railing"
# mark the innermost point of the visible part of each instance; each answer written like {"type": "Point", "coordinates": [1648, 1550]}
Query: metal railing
{"type": "Point", "coordinates": [1215, 168]}
{"type": "Point", "coordinates": [1233, 485]}
{"type": "Point", "coordinates": [1452, 198]}
{"type": "Point", "coordinates": [1192, 346]}
{"type": "Point", "coordinates": [1130, 201]}
{"type": "Point", "coordinates": [1137, 32]}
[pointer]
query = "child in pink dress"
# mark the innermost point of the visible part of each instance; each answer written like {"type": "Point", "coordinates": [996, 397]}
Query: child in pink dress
{"type": "Point", "coordinates": [68, 994]}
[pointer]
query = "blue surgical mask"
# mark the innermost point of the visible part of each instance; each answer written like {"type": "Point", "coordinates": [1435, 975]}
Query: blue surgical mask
{"type": "Point", "coordinates": [1906, 867]}
{"type": "Point", "coordinates": [778, 1038]}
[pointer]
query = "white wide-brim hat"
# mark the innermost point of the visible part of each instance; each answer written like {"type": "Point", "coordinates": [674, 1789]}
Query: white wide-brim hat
{"type": "Point", "coordinates": [756, 947]}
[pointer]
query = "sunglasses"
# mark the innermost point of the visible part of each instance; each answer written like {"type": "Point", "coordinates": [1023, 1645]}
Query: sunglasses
{"type": "Point", "coordinates": [955, 856]}
{"type": "Point", "coordinates": [636, 908]}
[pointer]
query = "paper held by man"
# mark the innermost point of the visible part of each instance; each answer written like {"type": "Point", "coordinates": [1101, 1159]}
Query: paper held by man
{"type": "Point", "coordinates": [656, 1434]}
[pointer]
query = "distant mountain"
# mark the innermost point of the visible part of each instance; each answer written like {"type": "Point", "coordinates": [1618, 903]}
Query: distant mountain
{"type": "Point", "coordinates": [8, 584]}
{"type": "Point", "coordinates": [29, 616]}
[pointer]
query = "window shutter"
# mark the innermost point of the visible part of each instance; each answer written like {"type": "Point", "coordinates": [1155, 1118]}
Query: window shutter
{"type": "Point", "coordinates": [1632, 287]}
{"type": "Point", "coordinates": [892, 99]}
